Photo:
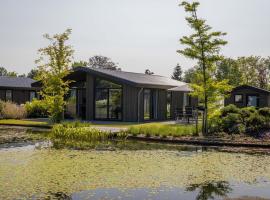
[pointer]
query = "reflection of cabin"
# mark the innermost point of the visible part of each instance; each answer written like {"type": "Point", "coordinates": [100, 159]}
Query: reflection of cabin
{"type": "Point", "coordinates": [245, 95]}
{"type": "Point", "coordinates": [125, 96]}
{"type": "Point", "coordinates": [17, 89]}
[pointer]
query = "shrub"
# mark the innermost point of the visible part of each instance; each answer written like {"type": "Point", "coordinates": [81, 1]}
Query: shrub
{"type": "Point", "coordinates": [255, 123]}
{"type": "Point", "coordinates": [229, 109]}
{"type": "Point", "coordinates": [264, 112]}
{"type": "Point", "coordinates": [13, 111]}
{"type": "Point", "coordinates": [231, 123]}
{"type": "Point", "coordinates": [215, 123]}
{"type": "Point", "coordinates": [36, 108]}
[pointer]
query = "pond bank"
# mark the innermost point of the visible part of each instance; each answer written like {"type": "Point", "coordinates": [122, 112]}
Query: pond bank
{"type": "Point", "coordinates": [205, 141]}
{"type": "Point", "coordinates": [13, 134]}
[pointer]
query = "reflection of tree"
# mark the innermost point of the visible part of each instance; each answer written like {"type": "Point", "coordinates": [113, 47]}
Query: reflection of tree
{"type": "Point", "coordinates": [209, 190]}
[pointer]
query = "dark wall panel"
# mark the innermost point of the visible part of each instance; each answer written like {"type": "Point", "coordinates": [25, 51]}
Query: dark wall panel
{"type": "Point", "coordinates": [130, 103]}
{"type": "Point", "coordinates": [3, 95]}
{"type": "Point", "coordinates": [263, 97]}
{"type": "Point", "coordinates": [162, 105]}
{"type": "Point", "coordinates": [89, 97]}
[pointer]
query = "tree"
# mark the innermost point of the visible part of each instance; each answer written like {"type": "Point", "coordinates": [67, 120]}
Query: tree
{"type": "Point", "coordinates": [103, 62]}
{"type": "Point", "coordinates": [3, 71]}
{"type": "Point", "coordinates": [54, 63]}
{"type": "Point", "coordinates": [80, 63]}
{"type": "Point", "coordinates": [255, 71]}
{"type": "Point", "coordinates": [33, 74]}
{"type": "Point", "coordinates": [204, 46]}
{"type": "Point", "coordinates": [12, 74]}
{"type": "Point", "coordinates": [177, 73]}
{"type": "Point", "coordinates": [229, 69]}
{"type": "Point", "coordinates": [189, 75]}
{"type": "Point", "coordinates": [148, 72]}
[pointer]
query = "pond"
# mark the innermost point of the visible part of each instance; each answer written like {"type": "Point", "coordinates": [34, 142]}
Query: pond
{"type": "Point", "coordinates": [132, 170]}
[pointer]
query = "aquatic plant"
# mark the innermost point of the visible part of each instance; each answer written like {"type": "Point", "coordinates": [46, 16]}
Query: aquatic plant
{"type": "Point", "coordinates": [163, 130]}
{"type": "Point", "coordinates": [80, 135]}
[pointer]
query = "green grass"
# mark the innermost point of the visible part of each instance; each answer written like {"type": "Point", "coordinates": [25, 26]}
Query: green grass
{"type": "Point", "coordinates": [163, 130]}
{"type": "Point", "coordinates": [23, 122]}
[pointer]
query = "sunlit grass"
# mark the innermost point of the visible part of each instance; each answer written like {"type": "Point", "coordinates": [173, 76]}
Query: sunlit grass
{"type": "Point", "coordinates": [163, 130]}
{"type": "Point", "coordinates": [22, 122]}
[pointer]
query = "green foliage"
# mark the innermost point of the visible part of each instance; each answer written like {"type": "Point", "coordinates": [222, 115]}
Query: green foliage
{"type": "Point", "coordinates": [229, 69]}
{"type": "Point", "coordinates": [32, 74]}
{"type": "Point", "coordinates": [229, 109]}
{"type": "Point", "coordinates": [177, 73]}
{"type": "Point", "coordinates": [103, 62]}
{"type": "Point", "coordinates": [80, 63]}
{"type": "Point", "coordinates": [54, 63]}
{"type": "Point", "coordinates": [77, 134]}
{"type": "Point", "coordinates": [234, 120]}
{"type": "Point", "coordinates": [255, 123]}
{"type": "Point", "coordinates": [36, 108]}
{"type": "Point", "coordinates": [163, 130]}
{"type": "Point", "coordinates": [204, 46]}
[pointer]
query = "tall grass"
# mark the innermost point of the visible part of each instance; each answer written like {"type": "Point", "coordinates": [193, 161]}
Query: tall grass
{"type": "Point", "coordinates": [163, 130]}
{"type": "Point", "coordinates": [9, 110]}
{"type": "Point", "coordinates": [76, 134]}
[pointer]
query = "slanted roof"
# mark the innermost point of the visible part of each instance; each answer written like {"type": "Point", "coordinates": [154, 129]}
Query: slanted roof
{"type": "Point", "coordinates": [250, 87]}
{"type": "Point", "coordinates": [16, 82]}
{"type": "Point", "coordinates": [183, 88]}
{"type": "Point", "coordinates": [135, 79]}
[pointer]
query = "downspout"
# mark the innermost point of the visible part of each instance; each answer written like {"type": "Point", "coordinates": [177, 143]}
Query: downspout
{"type": "Point", "coordinates": [139, 94]}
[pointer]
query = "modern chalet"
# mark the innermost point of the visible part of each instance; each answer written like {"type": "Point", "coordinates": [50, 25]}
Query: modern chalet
{"type": "Point", "coordinates": [100, 94]}
{"type": "Point", "coordinates": [17, 89]}
{"type": "Point", "coordinates": [246, 95]}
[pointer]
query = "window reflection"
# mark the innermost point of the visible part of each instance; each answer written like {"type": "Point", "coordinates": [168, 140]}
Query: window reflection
{"type": "Point", "coordinates": [108, 100]}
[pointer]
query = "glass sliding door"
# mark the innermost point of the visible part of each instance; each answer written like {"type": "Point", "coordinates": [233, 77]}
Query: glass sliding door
{"type": "Point", "coordinates": [115, 104]}
{"type": "Point", "coordinates": [169, 105]}
{"type": "Point", "coordinates": [148, 104]}
{"type": "Point", "coordinates": [108, 100]}
{"type": "Point", "coordinates": [101, 104]}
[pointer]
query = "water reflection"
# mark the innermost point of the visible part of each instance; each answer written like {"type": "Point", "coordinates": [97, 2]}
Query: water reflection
{"type": "Point", "coordinates": [210, 190]}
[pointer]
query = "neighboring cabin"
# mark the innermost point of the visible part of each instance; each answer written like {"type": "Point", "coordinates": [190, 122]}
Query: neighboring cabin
{"type": "Point", "coordinates": [245, 95]}
{"type": "Point", "coordinates": [125, 96]}
{"type": "Point", "coordinates": [17, 89]}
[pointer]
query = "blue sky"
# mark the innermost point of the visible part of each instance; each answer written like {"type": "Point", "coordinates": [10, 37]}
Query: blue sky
{"type": "Point", "coordinates": [136, 34]}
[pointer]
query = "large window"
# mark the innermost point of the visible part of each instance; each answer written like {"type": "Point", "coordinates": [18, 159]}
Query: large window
{"type": "Point", "coordinates": [148, 104]}
{"type": "Point", "coordinates": [32, 95]}
{"type": "Point", "coordinates": [8, 95]}
{"type": "Point", "coordinates": [108, 100]}
{"type": "Point", "coordinates": [238, 98]}
{"type": "Point", "coordinates": [169, 105]}
{"type": "Point", "coordinates": [252, 100]}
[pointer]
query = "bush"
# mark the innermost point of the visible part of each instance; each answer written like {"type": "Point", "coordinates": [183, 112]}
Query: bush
{"type": "Point", "coordinates": [229, 109]}
{"type": "Point", "coordinates": [36, 108]}
{"type": "Point", "coordinates": [255, 123]}
{"type": "Point", "coordinates": [232, 124]}
{"type": "Point", "coordinates": [245, 113]}
{"type": "Point", "coordinates": [233, 120]}
{"type": "Point", "coordinates": [10, 110]}
{"type": "Point", "coordinates": [264, 112]}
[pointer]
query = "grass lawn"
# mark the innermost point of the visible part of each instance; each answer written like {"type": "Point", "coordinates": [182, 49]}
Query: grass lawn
{"type": "Point", "coordinates": [23, 122]}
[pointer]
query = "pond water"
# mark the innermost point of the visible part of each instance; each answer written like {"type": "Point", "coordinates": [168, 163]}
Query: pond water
{"type": "Point", "coordinates": [133, 170]}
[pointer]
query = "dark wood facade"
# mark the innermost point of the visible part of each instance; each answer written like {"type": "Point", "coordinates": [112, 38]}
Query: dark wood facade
{"type": "Point", "coordinates": [132, 100]}
{"type": "Point", "coordinates": [246, 95]}
{"type": "Point", "coordinates": [17, 95]}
